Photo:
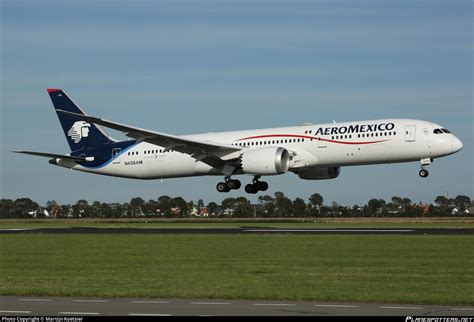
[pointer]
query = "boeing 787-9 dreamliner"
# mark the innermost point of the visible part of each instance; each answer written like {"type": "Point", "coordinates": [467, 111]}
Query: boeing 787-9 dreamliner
{"type": "Point", "coordinates": [311, 151]}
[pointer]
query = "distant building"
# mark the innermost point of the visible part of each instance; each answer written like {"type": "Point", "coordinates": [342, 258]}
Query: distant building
{"type": "Point", "coordinates": [425, 208]}
{"type": "Point", "coordinates": [203, 211]}
{"type": "Point", "coordinates": [39, 211]}
{"type": "Point", "coordinates": [228, 211]}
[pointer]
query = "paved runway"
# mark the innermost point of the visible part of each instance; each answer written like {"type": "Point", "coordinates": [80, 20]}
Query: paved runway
{"type": "Point", "coordinates": [256, 230]}
{"type": "Point", "coordinates": [65, 306]}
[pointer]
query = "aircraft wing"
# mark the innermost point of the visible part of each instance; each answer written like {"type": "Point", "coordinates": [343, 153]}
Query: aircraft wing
{"type": "Point", "coordinates": [52, 155]}
{"type": "Point", "coordinates": [208, 152]}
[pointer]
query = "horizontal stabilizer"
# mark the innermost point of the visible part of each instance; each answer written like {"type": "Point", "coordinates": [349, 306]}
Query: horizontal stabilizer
{"type": "Point", "coordinates": [60, 156]}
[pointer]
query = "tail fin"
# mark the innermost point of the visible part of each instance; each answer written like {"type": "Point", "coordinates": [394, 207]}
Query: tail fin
{"type": "Point", "coordinates": [79, 134]}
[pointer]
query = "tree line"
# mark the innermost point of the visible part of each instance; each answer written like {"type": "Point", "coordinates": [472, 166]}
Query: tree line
{"type": "Point", "coordinates": [277, 205]}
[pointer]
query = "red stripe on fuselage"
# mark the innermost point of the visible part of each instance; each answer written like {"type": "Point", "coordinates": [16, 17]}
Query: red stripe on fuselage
{"type": "Point", "coordinates": [308, 137]}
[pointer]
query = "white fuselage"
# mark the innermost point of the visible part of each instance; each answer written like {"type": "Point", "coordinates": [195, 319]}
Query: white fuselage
{"type": "Point", "coordinates": [310, 146]}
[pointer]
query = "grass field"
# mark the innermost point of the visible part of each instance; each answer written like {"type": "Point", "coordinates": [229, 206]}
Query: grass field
{"type": "Point", "coordinates": [375, 222]}
{"type": "Point", "coordinates": [432, 269]}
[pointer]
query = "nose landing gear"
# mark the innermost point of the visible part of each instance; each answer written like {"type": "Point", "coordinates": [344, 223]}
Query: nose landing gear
{"type": "Point", "coordinates": [423, 173]}
{"type": "Point", "coordinates": [424, 162]}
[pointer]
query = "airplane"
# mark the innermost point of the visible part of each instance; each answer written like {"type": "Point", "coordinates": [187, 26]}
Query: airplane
{"type": "Point", "coordinates": [311, 151]}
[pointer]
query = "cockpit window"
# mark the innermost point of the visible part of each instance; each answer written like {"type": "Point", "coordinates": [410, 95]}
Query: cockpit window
{"type": "Point", "coordinates": [445, 130]}
{"type": "Point", "coordinates": [437, 131]}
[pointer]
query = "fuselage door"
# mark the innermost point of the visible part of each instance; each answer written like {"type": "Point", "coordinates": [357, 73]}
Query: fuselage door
{"type": "Point", "coordinates": [410, 133]}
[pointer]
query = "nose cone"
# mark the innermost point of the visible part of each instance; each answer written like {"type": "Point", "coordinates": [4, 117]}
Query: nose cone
{"type": "Point", "coordinates": [456, 145]}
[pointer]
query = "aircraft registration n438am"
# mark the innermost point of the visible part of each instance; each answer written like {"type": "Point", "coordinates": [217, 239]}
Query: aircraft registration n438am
{"type": "Point", "coordinates": [312, 151]}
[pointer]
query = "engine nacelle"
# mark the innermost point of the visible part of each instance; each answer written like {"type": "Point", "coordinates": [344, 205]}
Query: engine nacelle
{"type": "Point", "coordinates": [265, 161]}
{"type": "Point", "coordinates": [319, 173]}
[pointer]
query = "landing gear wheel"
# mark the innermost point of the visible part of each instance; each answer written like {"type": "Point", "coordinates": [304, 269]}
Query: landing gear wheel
{"type": "Point", "coordinates": [234, 184]}
{"type": "Point", "coordinates": [251, 188]}
{"type": "Point", "coordinates": [261, 185]}
{"type": "Point", "coordinates": [423, 173]}
{"type": "Point", "coordinates": [222, 187]}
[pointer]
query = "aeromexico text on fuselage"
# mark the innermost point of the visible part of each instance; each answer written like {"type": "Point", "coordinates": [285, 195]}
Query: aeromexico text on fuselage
{"type": "Point", "coordinates": [359, 128]}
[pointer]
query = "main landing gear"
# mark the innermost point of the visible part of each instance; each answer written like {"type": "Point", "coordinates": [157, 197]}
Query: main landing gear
{"type": "Point", "coordinates": [256, 186]}
{"type": "Point", "coordinates": [230, 184]}
{"type": "Point", "coordinates": [423, 172]}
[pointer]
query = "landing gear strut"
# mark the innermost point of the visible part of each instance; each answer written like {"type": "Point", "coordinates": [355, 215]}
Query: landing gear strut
{"type": "Point", "coordinates": [256, 186]}
{"type": "Point", "coordinates": [423, 172]}
{"type": "Point", "coordinates": [228, 185]}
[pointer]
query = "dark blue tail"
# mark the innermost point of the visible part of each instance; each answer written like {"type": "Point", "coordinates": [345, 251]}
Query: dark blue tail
{"type": "Point", "coordinates": [79, 134]}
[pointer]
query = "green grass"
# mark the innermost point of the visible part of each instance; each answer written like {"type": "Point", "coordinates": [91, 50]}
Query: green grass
{"type": "Point", "coordinates": [232, 223]}
{"type": "Point", "coordinates": [432, 269]}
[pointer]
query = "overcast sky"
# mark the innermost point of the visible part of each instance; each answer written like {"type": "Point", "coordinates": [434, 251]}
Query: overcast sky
{"type": "Point", "coordinates": [183, 67]}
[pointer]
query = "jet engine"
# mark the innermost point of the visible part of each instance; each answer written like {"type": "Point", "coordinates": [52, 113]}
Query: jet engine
{"type": "Point", "coordinates": [319, 173]}
{"type": "Point", "coordinates": [265, 161]}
